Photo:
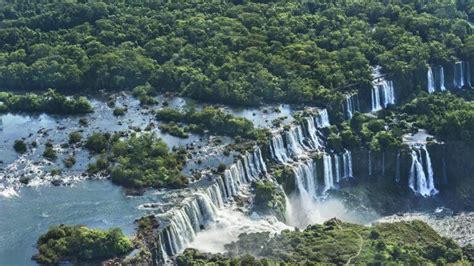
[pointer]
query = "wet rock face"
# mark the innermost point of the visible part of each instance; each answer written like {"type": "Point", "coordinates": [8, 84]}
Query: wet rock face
{"type": "Point", "coordinates": [384, 176]}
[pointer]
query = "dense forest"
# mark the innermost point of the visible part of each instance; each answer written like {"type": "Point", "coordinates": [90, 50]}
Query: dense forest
{"type": "Point", "coordinates": [231, 52]}
{"type": "Point", "coordinates": [338, 243]}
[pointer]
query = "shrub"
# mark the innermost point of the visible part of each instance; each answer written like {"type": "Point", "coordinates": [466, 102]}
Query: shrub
{"type": "Point", "coordinates": [120, 111]}
{"type": "Point", "coordinates": [97, 142]}
{"type": "Point", "coordinates": [20, 146]}
{"type": "Point", "coordinates": [49, 153]}
{"type": "Point", "coordinates": [80, 244]}
{"type": "Point", "coordinates": [75, 137]}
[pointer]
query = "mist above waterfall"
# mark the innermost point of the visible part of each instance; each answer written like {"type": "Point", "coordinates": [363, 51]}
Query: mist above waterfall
{"type": "Point", "coordinates": [303, 211]}
{"type": "Point", "coordinates": [229, 224]}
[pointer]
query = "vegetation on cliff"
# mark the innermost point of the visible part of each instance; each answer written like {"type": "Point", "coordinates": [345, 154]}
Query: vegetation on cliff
{"type": "Point", "coordinates": [80, 244]}
{"type": "Point", "coordinates": [336, 242]}
{"type": "Point", "coordinates": [138, 161]}
{"type": "Point", "coordinates": [269, 199]}
{"type": "Point", "coordinates": [214, 120]}
{"type": "Point", "coordinates": [445, 115]}
{"type": "Point", "coordinates": [50, 102]}
{"type": "Point", "coordinates": [240, 52]}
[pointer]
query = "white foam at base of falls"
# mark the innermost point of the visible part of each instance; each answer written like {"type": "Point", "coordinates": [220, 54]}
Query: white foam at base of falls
{"type": "Point", "coordinates": [229, 224]}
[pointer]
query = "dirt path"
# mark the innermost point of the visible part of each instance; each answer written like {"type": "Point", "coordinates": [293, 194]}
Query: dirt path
{"type": "Point", "coordinates": [361, 244]}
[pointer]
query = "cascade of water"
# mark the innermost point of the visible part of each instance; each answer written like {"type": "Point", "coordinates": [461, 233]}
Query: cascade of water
{"type": "Point", "coordinates": [328, 175]}
{"type": "Point", "coordinates": [293, 142]}
{"type": "Point", "coordinates": [306, 178]}
{"type": "Point", "coordinates": [349, 106]}
{"type": "Point", "coordinates": [322, 119]}
{"type": "Point", "coordinates": [430, 184]}
{"type": "Point", "coordinates": [397, 170]}
{"type": "Point", "coordinates": [418, 180]}
{"type": "Point", "coordinates": [383, 92]}
{"type": "Point", "coordinates": [214, 192]}
{"type": "Point", "coordinates": [300, 137]}
{"type": "Point", "coordinates": [388, 93]}
{"type": "Point", "coordinates": [458, 75]}
{"type": "Point", "coordinates": [347, 159]}
{"type": "Point", "coordinates": [222, 188]}
{"type": "Point", "coordinates": [376, 99]}
{"type": "Point", "coordinates": [230, 183]}
{"type": "Point", "coordinates": [313, 133]}
{"type": "Point", "coordinates": [278, 149]}
{"type": "Point", "coordinates": [431, 82]}
{"type": "Point", "coordinates": [442, 87]}
{"type": "Point", "coordinates": [185, 222]}
{"type": "Point", "coordinates": [336, 167]}
{"type": "Point", "coordinates": [258, 155]}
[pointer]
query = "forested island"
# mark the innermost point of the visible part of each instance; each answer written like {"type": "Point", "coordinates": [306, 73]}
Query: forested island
{"type": "Point", "coordinates": [238, 132]}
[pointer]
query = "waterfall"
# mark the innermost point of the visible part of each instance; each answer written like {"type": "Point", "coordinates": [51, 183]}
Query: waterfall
{"type": "Point", "coordinates": [442, 87]}
{"type": "Point", "coordinates": [278, 149]}
{"type": "Point", "coordinates": [430, 183]}
{"type": "Point", "coordinates": [383, 92]}
{"type": "Point", "coordinates": [388, 93]}
{"type": "Point", "coordinates": [293, 141]}
{"type": "Point", "coordinates": [258, 155]}
{"type": "Point", "coordinates": [196, 212]}
{"type": "Point", "coordinates": [376, 99]}
{"type": "Point", "coordinates": [312, 132]}
{"type": "Point", "coordinates": [458, 75]}
{"type": "Point", "coordinates": [322, 119]}
{"type": "Point", "coordinates": [419, 181]}
{"type": "Point", "coordinates": [349, 106]}
{"type": "Point", "coordinates": [336, 167]}
{"type": "Point", "coordinates": [305, 175]}
{"type": "Point", "coordinates": [347, 160]}
{"type": "Point", "coordinates": [230, 183]}
{"type": "Point", "coordinates": [185, 222]}
{"type": "Point", "coordinates": [328, 175]}
{"type": "Point", "coordinates": [431, 82]}
{"type": "Point", "coordinates": [397, 170]}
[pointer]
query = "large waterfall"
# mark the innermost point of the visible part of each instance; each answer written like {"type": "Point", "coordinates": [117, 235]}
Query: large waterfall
{"type": "Point", "coordinates": [421, 179]}
{"type": "Point", "coordinates": [194, 213]}
{"type": "Point", "coordinates": [293, 147]}
{"type": "Point", "coordinates": [383, 92]}
{"type": "Point", "coordinates": [306, 179]}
